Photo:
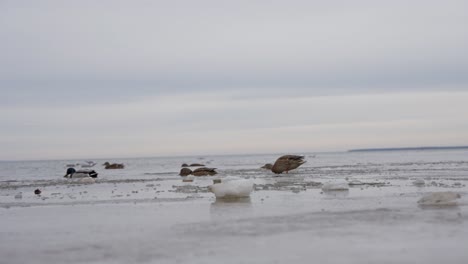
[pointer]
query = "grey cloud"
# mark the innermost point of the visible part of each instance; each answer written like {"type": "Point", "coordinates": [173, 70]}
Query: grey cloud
{"type": "Point", "coordinates": [184, 44]}
{"type": "Point", "coordinates": [65, 64]}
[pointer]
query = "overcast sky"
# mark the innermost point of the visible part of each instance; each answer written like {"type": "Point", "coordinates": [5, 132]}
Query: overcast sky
{"type": "Point", "coordinates": [90, 79]}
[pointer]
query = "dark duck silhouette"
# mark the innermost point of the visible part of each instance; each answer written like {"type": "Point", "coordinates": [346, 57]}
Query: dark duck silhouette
{"type": "Point", "coordinates": [286, 163]}
{"type": "Point", "coordinates": [204, 172]}
{"type": "Point", "coordinates": [109, 166]}
{"type": "Point", "coordinates": [198, 172]}
{"type": "Point", "coordinates": [72, 173]}
{"type": "Point", "coordinates": [185, 172]}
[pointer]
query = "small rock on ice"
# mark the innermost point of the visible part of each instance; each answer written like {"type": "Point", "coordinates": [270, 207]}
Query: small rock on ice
{"type": "Point", "coordinates": [439, 198]}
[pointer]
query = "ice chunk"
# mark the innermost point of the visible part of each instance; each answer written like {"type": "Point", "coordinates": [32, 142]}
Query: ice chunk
{"type": "Point", "coordinates": [232, 187]}
{"type": "Point", "coordinates": [439, 198]}
{"type": "Point", "coordinates": [340, 186]}
{"type": "Point", "coordinates": [356, 182]}
{"type": "Point", "coordinates": [419, 182]}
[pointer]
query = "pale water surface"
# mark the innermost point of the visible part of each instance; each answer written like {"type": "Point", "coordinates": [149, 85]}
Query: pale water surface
{"type": "Point", "coordinates": [146, 214]}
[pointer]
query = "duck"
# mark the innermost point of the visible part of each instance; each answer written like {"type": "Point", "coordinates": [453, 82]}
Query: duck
{"type": "Point", "coordinates": [72, 173]}
{"type": "Point", "coordinates": [198, 172]}
{"type": "Point", "coordinates": [185, 172]}
{"type": "Point", "coordinates": [113, 166]}
{"type": "Point", "coordinates": [231, 187]}
{"type": "Point", "coordinates": [204, 172]}
{"type": "Point", "coordinates": [286, 163]}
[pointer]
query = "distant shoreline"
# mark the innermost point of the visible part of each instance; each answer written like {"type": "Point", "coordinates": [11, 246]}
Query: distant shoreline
{"type": "Point", "coordinates": [409, 149]}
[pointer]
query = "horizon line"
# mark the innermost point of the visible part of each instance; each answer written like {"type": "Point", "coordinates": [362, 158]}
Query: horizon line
{"type": "Point", "coordinates": [409, 148]}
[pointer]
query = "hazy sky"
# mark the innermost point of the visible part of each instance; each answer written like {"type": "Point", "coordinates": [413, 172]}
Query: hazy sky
{"type": "Point", "coordinates": [89, 79]}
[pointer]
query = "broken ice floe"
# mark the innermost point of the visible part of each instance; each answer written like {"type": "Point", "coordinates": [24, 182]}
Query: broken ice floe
{"type": "Point", "coordinates": [439, 199]}
{"type": "Point", "coordinates": [232, 187]}
{"type": "Point", "coordinates": [419, 182]}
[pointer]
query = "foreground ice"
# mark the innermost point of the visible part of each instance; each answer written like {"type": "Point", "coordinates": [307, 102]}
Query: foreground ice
{"type": "Point", "coordinates": [368, 226]}
{"type": "Point", "coordinates": [146, 215]}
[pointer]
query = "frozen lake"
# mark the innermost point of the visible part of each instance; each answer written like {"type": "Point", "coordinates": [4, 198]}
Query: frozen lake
{"type": "Point", "coordinates": [146, 214]}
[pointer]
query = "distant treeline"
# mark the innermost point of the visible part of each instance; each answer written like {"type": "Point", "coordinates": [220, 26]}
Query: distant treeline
{"type": "Point", "coordinates": [403, 149]}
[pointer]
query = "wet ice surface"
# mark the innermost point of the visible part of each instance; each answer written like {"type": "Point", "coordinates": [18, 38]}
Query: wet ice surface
{"type": "Point", "coordinates": [148, 215]}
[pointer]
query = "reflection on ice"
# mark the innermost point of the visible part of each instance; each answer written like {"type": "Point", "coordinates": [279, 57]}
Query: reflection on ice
{"type": "Point", "coordinates": [228, 208]}
{"type": "Point", "coordinates": [336, 194]}
{"type": "Point", "coordinates": [231, 200]}
{"type": "Point", "coordinates": [338, 186]}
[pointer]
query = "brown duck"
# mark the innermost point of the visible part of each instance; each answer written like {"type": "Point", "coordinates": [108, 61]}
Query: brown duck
{"type": "Point", "coordinates": [204, 172]}
{"type": "Point", "coordinates": [286, 163]}
{"type": "Point", "coordinates": [198, 172]}
{"type": "Point", "coordinates": [185, 172]}
{"type": "Point", "coordinates": [109, 166]}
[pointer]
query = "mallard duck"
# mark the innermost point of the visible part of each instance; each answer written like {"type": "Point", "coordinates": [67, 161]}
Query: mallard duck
{"type": "Point", "coordinates": [72, 173]}
{"type": "Point", "coordinates": [185, 172]}
{"type": "Point", "coordinates": [286, 163]}
{"type": "Point", "coordinates": [109, 166]}
{"type": "Point", "coordinates": [204, 172]}
{"type": "Point", "coordinates": [267, 166]}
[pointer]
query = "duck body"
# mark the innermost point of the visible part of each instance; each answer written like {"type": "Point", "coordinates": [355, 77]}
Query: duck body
{"type": "Point", "coordinates": [72, 173]}
{"type": "Point", "coordinates": [286, 163]}
{"type": "Point", "coordinates": [113, 166]}
{"type": "Point", "coordinates": [185, 172]}
{"type": "Point", "coordinates": [204, 172]}
{"type": "Point", "coordinates": [198, 172]}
